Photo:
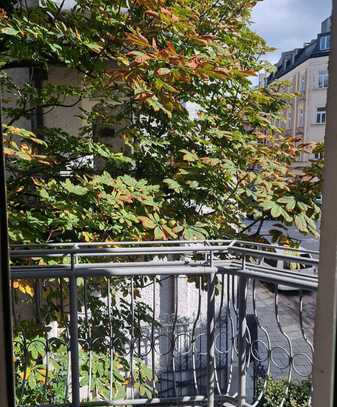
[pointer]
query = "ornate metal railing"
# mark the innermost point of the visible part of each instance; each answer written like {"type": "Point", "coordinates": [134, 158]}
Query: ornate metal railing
{"type": "Point", "coordinates": [162, 323]}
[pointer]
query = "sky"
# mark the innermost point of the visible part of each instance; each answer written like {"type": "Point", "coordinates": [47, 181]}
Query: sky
{"type": "Point", "coordinates": [287, 24]}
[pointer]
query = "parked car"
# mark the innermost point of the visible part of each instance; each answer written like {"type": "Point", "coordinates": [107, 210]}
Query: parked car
{"type": "Point", "coordinates": [318, 200]}
{"type": "Point", "coordinates": [283, 264]}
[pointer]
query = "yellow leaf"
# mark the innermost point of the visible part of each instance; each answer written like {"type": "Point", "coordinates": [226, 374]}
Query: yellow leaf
{"type": "Point", "coordinates": [42, 374]}
{"type": "Point", "coordinates": [29, 290]}
{"type": "Point", "coordinates": [24, 287]}
{"type": "Point", "coordinates": [22, 374]}
{"type": "Point", "coordinates": [87, 236]}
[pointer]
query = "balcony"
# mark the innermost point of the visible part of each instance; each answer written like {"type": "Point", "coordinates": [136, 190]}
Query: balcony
{"type": "Point", "coordinates": [184, 323]}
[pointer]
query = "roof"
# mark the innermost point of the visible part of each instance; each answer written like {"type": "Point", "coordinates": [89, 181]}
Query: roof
{"type": "Point", "coordinates": [291, 59]}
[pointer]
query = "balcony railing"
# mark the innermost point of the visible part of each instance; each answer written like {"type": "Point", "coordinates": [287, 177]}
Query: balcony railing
{"type": "Point", "coordinates": [166, 323]}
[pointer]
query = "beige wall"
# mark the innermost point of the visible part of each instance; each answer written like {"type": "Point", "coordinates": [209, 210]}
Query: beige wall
{"type": "Point", "coordinates": [304, 79]}
{"type": "Point", "coordinates": [20, 76]}
{"type": "Point", "coordinates": [317, 97]}
{"type": "Point", "coordinates": [66, 118]}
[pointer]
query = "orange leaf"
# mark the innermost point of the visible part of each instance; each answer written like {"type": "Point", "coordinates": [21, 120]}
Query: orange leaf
{"type": "Point", "coordinates": [126, 198]}
{"type": "Point", "coordinates": [146, 222]}
{"type": "Point", "coordinates": [142, 58]}
{"type": "Point", "coordinates": [151, 13]}
{"type": "Point", "coordinates": [154, 44]}
{"type": "Point", "coordinates": [165, 11]}
{"type": "Point", "coordinates": [138, 39]}
{"type": "Point", "coordinates": [24, 287]}
{"type": "Point", "coordinates": [143, 96]}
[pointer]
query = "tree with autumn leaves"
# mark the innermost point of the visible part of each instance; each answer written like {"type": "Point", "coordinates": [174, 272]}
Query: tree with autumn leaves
{"type": "Point", "coordinates": [145, 62]}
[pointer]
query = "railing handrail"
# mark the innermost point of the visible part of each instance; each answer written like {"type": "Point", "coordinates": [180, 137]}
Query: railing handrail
{"type": "Point", "coordinates": [300, 280]}
{"type": "Point", "coordinates": [275, 246]}
{"type": "Point", "coordinates": [123, 243]}
{"type": "Point", "coordinates": [207, 243]}
{"type": "Point", "coordinates": [188, 247]}
{"type": "Point", "coordinates": [121, 251]}
{"type": "Point", "coordinates": [233, 265]}
{"type": "Point", "coordinates": [271, 255]}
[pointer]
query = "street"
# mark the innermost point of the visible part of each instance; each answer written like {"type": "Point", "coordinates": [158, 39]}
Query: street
{"type": "Point", "coordinates": [307, 241]}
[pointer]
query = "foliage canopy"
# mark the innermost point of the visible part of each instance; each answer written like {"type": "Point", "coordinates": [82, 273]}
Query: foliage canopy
{"type": "Point", "coordinates": [143, 64]}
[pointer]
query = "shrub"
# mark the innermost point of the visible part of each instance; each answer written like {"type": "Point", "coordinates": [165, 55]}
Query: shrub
{"type": "Point", "coordinates": [298, 393]}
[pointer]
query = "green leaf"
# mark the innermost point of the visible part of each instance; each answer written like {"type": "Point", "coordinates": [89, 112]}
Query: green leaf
{"type": "Point", "coordinates": [44, 194]}
{"type": "Point", "coordinates": [94, 46]}
{"type": "Point", "coordinates": [302, 206]}
{"type": "Point", "coordinates": [9, 31]}
{"type": "Point", "coordinates": [188, 156]}
{"type": "Point", "coordinates": [130, 181]}
{"type": "Point", "coordinates": [276, 211]}
{"type": "Point", "coordinates": [301, 223]}
{"type": "Point", "coordinates": [159, 234]}
{"type": "Point", "coordinates": [286, 216]}
{"type": "Point", "coordinates": [267, 205]}
{"type": "Point", "coordinates": [74, 189]}
{"type": "Point", "coordinates": [289, 200]}
{"type": "Point", "coordinates": [194, 232]}
{"type": "Point", "coordinates": [173, 184]}
{"type": "Point", "coordinates": [157, 106]}
{"type": "Point", "coordinates": [105, 179]}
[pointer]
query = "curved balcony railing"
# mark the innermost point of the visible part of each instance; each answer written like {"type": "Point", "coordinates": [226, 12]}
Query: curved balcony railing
{"type": "Point", "coordinates": [194, 322]}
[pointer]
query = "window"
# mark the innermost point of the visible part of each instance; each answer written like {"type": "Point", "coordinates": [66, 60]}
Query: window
{"type": "Point", "coordinates": [317, 156]}
{"type": "Point", "coordinates": [302, 83]}
{"type": "Point", "coordinates": [289, 119]}
{"type": "Point", "coordinates": [300, 117]}
{"type": "Point", "coordinates": [324, 42]}
{"type": "Point", "coordinates": [323, 78]}
{"type": "Point", "coordinates": [321, 115]}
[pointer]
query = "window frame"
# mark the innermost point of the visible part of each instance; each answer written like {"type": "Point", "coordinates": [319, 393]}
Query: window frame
{"type": "Point", "coordinates": [323, 79]}
{"type": "Point", "coordinates": [302, 83]}
{"type": "Point", "coordinates": [320, 115]}
{"type": "Point", "coordinates": [300, 119]}
{"type": "Point", "coordinates": [325, 42]}
{"type": "Point", "coordinates": [289, 120]}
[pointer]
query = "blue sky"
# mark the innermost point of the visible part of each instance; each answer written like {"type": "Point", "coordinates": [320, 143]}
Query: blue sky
{"type": "Point", "coordinates": [287, 24]}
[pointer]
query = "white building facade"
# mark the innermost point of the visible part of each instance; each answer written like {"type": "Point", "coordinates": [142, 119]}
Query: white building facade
{"type": "Point", "coordinates": [306, 70]}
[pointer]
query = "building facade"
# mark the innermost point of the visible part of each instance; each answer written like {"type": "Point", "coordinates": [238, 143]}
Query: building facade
{"type": "Point", "coordinates": [306, 71]}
